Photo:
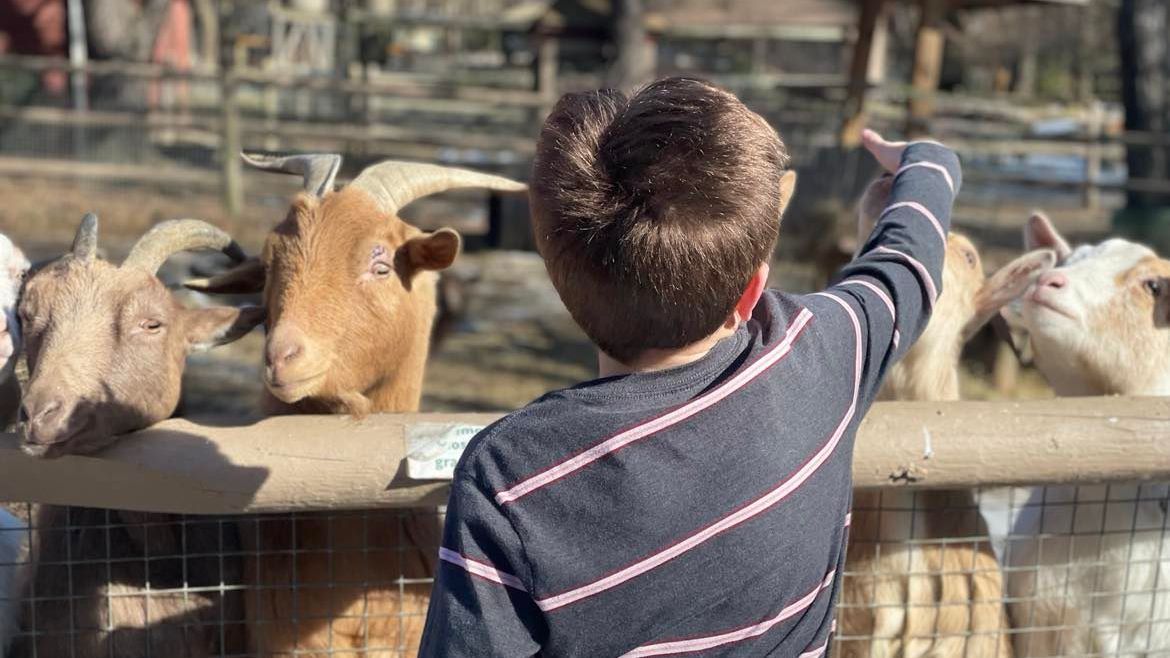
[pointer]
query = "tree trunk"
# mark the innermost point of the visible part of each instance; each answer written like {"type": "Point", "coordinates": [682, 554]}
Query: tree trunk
{"type": "Point", "coordinates": [634, 64]}
{"type": "Point", "coordinates": [1145, 77]}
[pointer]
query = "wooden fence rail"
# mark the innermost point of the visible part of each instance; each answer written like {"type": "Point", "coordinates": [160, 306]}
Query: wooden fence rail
{"type": "Point", "coordinates": [327, 462]}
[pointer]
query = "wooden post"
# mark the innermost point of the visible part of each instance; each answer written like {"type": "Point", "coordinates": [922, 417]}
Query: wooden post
{"type": "Point", "coordinates": [850, 136]}
{"type": "Point", "coordinates": [545, 80]}
{"type": "Point", "coordinates": [928, 54]}
{"type": "Point", "coordinates": [1095, 125]}
{"type": "Point", "coordinates": [230, 142]}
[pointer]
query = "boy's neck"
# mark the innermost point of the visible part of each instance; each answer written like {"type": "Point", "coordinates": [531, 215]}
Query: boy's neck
{"type": "Point", "coordinates": [656, 359]}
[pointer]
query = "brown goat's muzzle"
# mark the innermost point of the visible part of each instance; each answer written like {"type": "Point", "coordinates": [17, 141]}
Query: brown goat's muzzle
{"type": "Point", "coordinates": [294, 368]}
{"type": "Point", "coordinates": [50, 424]}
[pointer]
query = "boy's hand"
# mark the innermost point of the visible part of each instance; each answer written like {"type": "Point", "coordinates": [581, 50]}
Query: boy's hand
{"type": "Point", "coordinates": [888, 154]}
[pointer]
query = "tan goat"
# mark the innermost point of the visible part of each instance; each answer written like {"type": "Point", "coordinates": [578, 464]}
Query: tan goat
{"type": "Point", "coordinates": [350, 290]}
{"type": "Point", "coordinates": [930, 599]}
{"type": "Point", "coordinates": [106, 347]}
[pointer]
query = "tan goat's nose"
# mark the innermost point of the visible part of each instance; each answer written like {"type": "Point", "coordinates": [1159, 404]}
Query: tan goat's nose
{"type": "Point", "coordinates": [1052, 280]}
{"type": "Point", "coordinates": [286, 345]}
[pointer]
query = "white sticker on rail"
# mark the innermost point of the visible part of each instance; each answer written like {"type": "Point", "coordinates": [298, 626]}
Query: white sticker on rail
{"type": "Point", "coordinates": [433, 449]}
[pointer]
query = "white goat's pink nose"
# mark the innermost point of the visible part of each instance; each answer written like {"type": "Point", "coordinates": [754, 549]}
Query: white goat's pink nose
{"type": "Point", "coordinates": [1051, 280]}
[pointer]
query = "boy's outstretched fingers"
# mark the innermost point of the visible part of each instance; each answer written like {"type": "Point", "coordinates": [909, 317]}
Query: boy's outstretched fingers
{"type": "Point", "coordinates": [888, 154]}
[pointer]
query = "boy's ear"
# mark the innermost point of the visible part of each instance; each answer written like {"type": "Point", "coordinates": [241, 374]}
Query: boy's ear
{"type": "Point", "coordinates": [787, 187]}
{"type": "Point", "coordinates": [219, 325]}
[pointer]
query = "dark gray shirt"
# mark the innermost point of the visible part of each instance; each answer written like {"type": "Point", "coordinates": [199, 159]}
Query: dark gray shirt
{"type": "Point", "coordinates": [701, 509]}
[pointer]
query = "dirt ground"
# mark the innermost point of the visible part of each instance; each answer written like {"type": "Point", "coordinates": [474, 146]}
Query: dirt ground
{"type": "Point", "coordinates": [515, 342]}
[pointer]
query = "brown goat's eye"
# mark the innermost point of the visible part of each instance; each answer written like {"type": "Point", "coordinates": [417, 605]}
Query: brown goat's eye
{"type": "Point", "coordinates": [380, 269]}
{"type": "Point", "coordinates": [1155, 286]}
{"type": "Point", "coordinates": [150, 325]}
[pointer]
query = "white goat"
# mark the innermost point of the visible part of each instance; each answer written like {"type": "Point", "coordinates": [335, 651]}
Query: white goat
{"type": "Point", "coordinates": [13, 267]}
{"type": "Point", "coordinates": [1090, 565]}
{"type": "Point", "coordinates": [932, 598]}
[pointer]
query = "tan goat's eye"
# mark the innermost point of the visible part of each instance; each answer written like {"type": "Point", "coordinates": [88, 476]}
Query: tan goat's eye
{"type": "Point", "coordinates": [380, 269]}
{"type": "Point", "coordinates": [151, 325]}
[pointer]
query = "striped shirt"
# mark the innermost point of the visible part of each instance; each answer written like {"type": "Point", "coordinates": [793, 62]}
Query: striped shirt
{"type": "Point", "coordinates": [700, 509]}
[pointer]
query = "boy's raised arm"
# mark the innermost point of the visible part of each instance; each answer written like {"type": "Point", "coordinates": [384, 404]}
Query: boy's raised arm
{"type": "Point", "coordinates": [480, 603]}
{"type": "Point", "coordinates": [897, 275]}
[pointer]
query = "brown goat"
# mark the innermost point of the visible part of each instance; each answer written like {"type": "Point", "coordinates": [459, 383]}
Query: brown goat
{"type": "Point", "coordinates": [106, 347]}
{"type": "Point", "coordinates": [930, 599]}
{"type": "Point", "coordinates": [351, 296]}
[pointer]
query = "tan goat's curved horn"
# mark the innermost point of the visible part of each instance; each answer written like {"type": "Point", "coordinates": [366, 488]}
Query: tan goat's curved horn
{"type": "Point", "coordinates": [175, 235]}
{"type": "Point", "coordinates": [394, 183]}
{"type": "Point", "coordinates": [317, 169]}
{"type": "Point", "coordinates": [85, 242]}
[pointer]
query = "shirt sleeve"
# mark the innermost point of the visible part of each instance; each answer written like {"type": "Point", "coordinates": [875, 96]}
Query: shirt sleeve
{"type": "Point", "coordinates": [891, 287]}
{"type": "Point", "coordinates": [480, 604]}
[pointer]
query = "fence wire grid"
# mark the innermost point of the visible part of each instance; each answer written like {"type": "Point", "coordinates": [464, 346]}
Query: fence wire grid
{"type": "Point", "coordinates": [1043, 571]}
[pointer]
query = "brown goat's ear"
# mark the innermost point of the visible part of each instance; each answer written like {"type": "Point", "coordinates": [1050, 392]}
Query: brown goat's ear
{"type": "Point", "coordinates": [1008, 283]}
{"type": "Point", "coordinates": [219, 325]}
{"type": "Point", "coordinates": [245, 278]}
{"type": "Point", "coordinates": [431, 251]}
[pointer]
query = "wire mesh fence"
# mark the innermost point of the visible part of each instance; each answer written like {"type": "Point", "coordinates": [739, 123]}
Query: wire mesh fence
{"type": "Point", "coordinates": [1044, 571]}
{"type": "Point", "coordinates": [97, 582]}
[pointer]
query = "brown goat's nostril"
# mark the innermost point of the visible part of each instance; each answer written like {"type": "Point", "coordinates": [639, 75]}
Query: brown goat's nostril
{"type": "Point", "coordinates": [44, 419]}
{"type": "Point", "coordinates": [45, 412]}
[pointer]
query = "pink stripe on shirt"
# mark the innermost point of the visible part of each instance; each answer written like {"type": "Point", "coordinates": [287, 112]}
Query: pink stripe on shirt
{"type": "Point", "coordinates": [659, 423]}
{"type": "Point", "coordinates": [920, 209]}
{"type": "Point", "coordinates": [481, 569]}
{"type": "Point", "coordinates": [923, 273]}
{"type": "Point", "coordinates": [737, 635]}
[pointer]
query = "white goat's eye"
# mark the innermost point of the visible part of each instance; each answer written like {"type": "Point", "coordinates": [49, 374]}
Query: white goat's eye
{"type": "Point", "coordinates": [151, 325]}
{"type": "Point", "coordinates": [1155, 286]}
{"type": "Point", "coordinates": [380, 269]}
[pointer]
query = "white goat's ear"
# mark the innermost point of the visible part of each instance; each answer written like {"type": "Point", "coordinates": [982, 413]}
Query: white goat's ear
{"type": "Point", "coordinates": [246, 278]}
{"type": "Point", "coordinates": [787, 189]}
{"type": "Point", "coordinates": [1007, 284]}
{"type": "Point", "coordinates": [219, 325]}
{"type": "Point", "coordinates": [1040, 233]}
{"type": "Point", "coordinates": [431, 251]}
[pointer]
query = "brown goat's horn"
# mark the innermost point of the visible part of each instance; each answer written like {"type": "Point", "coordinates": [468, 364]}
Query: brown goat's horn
{"type": "Point", "coordinates": [393, 183]}
{"type": "Point", "coordinates": [85, 242]}
{"type": "Point", "coordinates": [317, 169]}
{"type": "Point", "coordinates": [175, 235]}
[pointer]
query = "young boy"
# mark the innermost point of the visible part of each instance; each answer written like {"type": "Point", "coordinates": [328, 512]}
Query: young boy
{"type": "Point", "coordinates": [696, 497]}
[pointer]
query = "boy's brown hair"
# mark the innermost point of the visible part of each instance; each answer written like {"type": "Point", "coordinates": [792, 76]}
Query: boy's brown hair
{"type": "Point", "coordinates": [653, 211]}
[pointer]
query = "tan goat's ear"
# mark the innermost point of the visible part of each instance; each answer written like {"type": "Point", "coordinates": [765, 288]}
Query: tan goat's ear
{"type": "Point", "coordinates": [245, 278]}
{"type": "Point", "coordinates": [219, 325]}
{"type": "Point", "coordinates": [431, 251]}
{"type": "Point", "coordinates": [873, 201]}
{"type": "Point", "coordinates": [1008, 283]}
